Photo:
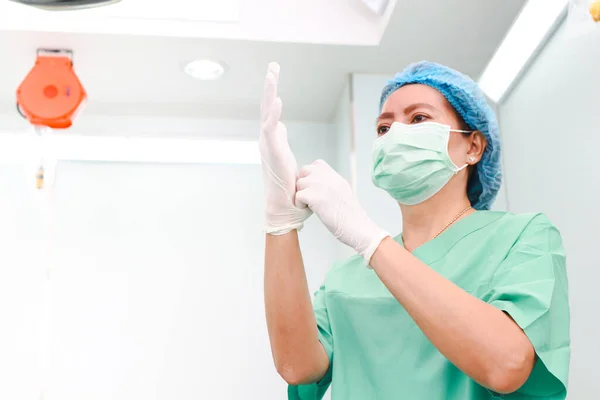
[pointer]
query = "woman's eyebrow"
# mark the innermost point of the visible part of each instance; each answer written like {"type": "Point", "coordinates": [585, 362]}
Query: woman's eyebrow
{"type": "Point", "coordinates": [415, 106]}
{"type": "Point", "coordinates": [385, 115]}
{"type": "Point", "coordinates": [406, 111]}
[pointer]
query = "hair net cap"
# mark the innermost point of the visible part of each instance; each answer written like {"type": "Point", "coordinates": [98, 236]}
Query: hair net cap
{"type": "Point", "coordinates": [469, 101]}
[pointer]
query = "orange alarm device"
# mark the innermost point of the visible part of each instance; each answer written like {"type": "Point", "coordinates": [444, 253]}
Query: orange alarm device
{"type": "Point", "coordinates": [51, 95]}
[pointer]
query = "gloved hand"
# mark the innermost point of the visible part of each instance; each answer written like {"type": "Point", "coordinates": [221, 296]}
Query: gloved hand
{"type": "Point", "coordinates": [330, 197]}
{"type": "Point", "coordinates": [279, 164]}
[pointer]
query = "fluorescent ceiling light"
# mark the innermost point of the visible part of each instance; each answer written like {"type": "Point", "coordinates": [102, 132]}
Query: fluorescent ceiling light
{"type": "Point", "coordinates": [206, 70]}
{"type": "Point", "coordinates": [65, 147]}
{"type": "Point", "coordinates": [525, 36]}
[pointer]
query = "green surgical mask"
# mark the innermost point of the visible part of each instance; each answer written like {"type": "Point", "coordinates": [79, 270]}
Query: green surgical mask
{"type": "Point", "coordinates": [411, 162]}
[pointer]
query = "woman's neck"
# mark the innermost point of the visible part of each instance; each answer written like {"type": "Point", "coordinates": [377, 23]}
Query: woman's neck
{"type": "Point", "coordinates": [423, 222]}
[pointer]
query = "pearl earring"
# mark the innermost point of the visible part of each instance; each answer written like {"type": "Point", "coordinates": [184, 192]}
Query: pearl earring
{"type": "Point", "coordinates": [472, 158]}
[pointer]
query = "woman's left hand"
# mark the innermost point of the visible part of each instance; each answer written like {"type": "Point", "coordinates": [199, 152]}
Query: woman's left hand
{"type": "Point", "coordinates": [330, 196]}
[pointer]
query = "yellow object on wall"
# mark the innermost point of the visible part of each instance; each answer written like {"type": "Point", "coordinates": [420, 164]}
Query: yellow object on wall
{"type": "Point", "coordinates": [595, 10]}
{"type": "Point", "coordinates": [39, 178]}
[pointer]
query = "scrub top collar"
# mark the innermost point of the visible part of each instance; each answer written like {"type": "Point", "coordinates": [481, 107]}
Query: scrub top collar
{"type": "Point", "coordinates": [437, 248]}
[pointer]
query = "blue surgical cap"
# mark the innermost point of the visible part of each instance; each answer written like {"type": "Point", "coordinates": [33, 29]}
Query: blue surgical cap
{"type": "Point", "coordinates": [469, 101]}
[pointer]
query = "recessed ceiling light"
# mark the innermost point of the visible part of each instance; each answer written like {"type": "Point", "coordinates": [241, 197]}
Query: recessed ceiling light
{"type": "Point", "coordinates": [206, 70]}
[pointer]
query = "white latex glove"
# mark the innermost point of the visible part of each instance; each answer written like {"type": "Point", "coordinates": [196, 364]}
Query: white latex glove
{"type": "Point", "coordinates": [330, 197]}
{"type": "Point", "coordinates": [279, 164]}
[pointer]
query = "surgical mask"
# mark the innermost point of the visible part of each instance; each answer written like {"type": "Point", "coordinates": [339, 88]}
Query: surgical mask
{"type": "Point", "coordinates": [411, 162]}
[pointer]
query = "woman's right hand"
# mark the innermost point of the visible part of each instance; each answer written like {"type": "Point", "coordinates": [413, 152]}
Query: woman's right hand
{"type": "Point", "coordinates": [279, 164]}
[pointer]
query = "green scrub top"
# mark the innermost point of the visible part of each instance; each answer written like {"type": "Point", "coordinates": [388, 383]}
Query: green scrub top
{"type": "Point", "coordinates": [513, 262]}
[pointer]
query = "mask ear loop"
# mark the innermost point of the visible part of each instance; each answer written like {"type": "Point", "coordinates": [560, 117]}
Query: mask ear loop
{"type": "Point", "coordinates": [460, 169]}
{"type": "Point", "coordinates": [457, 169]}
{"type": "Point", "coordinates": [459, 131]}
{"type": "Point", "coordinates": [471, 158]}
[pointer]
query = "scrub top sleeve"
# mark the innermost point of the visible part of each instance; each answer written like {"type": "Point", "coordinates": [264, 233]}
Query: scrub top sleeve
{"type": "Point", "coordinates": [316, 391]}
{"type": "Point", "coordinates": [531, 286]}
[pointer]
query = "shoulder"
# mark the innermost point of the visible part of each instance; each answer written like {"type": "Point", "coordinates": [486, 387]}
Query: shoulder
{"type": "Point", "coordinates": [528, 219]}
{"type": "Point", "coordinates": [534, 227]}
{"type": "Point", "coordinates": [523, 224]}
{"type": "Point", "coordinates": [535, 237]}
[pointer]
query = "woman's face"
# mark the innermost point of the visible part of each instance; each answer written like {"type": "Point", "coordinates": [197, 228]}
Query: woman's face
{"type": "Point", "coordinates": [415, 104]}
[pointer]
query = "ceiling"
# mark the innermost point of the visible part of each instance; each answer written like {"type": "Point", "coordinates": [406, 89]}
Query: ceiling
{"type": "Point", "coordinates": [136, 73]}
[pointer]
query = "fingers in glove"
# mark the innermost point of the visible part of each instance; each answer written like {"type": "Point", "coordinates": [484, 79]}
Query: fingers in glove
{"type": "Point", "coordinates": [270, 90]}
{"type": "Point", "coordinates": [274, 68]}
{"type": "Point", "coordinates": [306, 171]}
{"type": "Point", "coordinates": [303, 198]}
{"type": "Point", "coordinates": [317, 165]}
{"type": "Point", "coordinates": [273, 116]}
{"type": "Point", "coordinates": [304, 183]}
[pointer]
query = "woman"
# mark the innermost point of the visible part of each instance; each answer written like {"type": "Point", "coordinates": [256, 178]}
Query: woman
{"type": "Point", "coordinates": [465, 304]}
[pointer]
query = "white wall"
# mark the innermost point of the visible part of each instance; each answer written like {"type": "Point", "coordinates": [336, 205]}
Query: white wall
{"type": "Point", "coordinates": [343, 128]}
{"type": "Point", "coordinates": [366, 90]}
{"type": "Point", "coordinates": [23, 251]}
{"type": "Point", "coordinates": [551, 136]}
{"type": "Point", "coordinates": [156, 273]}
{"type": "Point", "coordinates": [342, 123]}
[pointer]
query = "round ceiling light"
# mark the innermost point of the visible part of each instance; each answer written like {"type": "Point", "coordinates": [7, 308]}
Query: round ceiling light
{"type": "Point", "coordinates": [206, 70]}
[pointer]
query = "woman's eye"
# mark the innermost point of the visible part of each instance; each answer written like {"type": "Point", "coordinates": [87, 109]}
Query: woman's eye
{"type": "Point", "coordinates": [382, 130]}
{"type": "Point", "coordinates": [419, 118]}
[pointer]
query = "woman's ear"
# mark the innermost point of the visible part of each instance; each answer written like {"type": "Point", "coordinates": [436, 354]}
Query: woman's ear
{"type": "Point", "coordinates": [477, 145]}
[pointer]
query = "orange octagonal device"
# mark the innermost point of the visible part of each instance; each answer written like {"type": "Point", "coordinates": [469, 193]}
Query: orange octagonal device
{"type": "Point", "coordinates": [51, 95]}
